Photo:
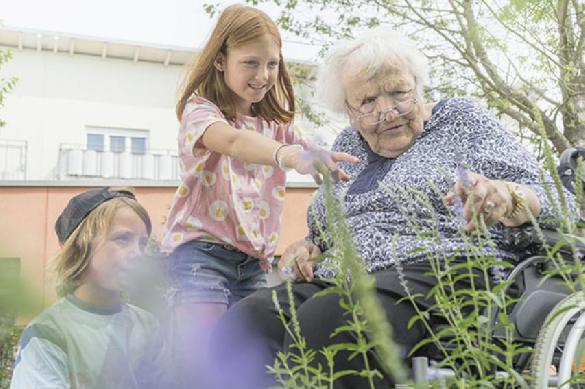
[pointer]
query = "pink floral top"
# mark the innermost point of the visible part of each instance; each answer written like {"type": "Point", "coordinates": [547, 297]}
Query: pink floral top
{"type": "Point", "coordinates": [222, 198]}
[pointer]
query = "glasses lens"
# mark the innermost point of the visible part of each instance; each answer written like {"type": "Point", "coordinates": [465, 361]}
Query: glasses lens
{"type": "Point", "coordinates": [400, 109]}
{"type": "Point", "coordinates": [405, 107]}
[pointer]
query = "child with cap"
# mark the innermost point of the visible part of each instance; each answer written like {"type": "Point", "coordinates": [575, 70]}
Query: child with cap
{"type": "Point", "coordinates": [91, 338]}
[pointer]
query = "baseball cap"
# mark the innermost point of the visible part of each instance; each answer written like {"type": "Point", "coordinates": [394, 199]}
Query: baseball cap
{"type": "Point", "coordinates": [80, 206]}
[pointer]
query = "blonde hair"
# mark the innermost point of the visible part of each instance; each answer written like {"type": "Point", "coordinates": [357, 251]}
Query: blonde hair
{"type": "Point", "coordinates": [238, 25]}
{"type": "Point", "coordinates": [74, 257]}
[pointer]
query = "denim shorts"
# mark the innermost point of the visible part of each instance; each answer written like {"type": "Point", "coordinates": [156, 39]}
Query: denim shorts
{"type": "Point", "coordinates": [212, 273]}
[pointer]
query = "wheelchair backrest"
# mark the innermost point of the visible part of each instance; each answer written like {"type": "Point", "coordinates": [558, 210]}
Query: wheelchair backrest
{"type": "Point", "coordinates": [568, 168]}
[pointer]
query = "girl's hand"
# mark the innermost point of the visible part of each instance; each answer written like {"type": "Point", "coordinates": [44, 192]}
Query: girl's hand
{"type": "Point", "coordinates": [317, 161]}
{"type": "Point", "coordinates": [481, 196]}
{"type": "Point", "coordinates": [296, 261]}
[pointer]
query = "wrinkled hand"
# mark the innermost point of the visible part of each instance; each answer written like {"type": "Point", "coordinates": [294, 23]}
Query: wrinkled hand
{"type": "Point", "coordinates": [296, 261]}
{"type": "Point", "coordinates": [317, 161]}
{"type": "Point", "coordinates": [480, 196]}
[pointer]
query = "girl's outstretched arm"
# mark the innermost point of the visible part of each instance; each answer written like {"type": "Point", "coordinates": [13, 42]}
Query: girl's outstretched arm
{"type": "Point", "coordinates": [252, 147]}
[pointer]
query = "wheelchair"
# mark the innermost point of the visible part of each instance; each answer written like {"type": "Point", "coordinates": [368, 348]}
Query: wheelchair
{"type": "Point", "coordinates": [547, 317]}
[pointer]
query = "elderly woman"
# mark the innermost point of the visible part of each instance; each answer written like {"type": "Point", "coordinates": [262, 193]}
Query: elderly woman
{"type": "Point", "coordinates": [402, 143]}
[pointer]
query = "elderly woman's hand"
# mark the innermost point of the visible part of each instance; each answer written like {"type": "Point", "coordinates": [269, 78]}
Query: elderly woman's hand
{"type": "Point", "coordinates": [491, 199]}
{"type": "Point", "coordinates": [297, 260]}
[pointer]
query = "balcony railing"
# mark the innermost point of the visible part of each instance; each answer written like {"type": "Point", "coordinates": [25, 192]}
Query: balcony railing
{"type": "Point", "coordinates": [77, 162]}
{"type": "Point", "coordinates": [12, 159]}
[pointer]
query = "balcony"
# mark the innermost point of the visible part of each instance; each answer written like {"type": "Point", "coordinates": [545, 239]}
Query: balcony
{"type": "Point", "coordinates": [13, 159]}
{"type": "Point", "coordinates": [78, 162]}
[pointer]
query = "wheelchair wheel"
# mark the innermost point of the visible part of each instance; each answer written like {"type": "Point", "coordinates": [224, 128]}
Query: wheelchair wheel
{"type": "Point", "coordinates": [557, 352]}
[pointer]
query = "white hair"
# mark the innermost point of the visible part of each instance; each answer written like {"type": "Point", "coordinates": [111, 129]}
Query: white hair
{"type": "Point", "coordinates": [366, 55]}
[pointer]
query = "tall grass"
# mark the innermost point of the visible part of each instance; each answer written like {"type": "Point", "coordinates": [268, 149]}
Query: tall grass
{"type": "Point", "coordinates": [476, 340]}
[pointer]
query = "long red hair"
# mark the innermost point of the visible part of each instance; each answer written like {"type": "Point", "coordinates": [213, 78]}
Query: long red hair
{"type": "Point", "coordinates": [238, 25]}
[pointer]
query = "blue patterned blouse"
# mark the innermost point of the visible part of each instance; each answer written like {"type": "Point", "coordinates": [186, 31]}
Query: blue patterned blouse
{"type": "Point", "coordinates": [388, 200]}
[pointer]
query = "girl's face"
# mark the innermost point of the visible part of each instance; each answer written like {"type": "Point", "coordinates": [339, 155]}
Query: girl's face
{"type": "Point", "coordinates": [113, 255]}
{"type": "Point", "coordinates": [250, 70]}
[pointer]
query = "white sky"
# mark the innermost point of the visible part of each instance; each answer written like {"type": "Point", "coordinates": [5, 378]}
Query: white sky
{"type": "Point", "coordinates": [163, 22]}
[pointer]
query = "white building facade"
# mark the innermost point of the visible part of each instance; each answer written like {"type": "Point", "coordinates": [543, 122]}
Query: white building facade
{"type": "Point", "coordinates": [85, 108]}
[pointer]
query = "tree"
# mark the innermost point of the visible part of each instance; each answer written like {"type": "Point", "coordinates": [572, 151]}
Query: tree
{"type": "Point", "coordinates": [524, 57]}
{"type": "Point", "coordinates": [6, 84]}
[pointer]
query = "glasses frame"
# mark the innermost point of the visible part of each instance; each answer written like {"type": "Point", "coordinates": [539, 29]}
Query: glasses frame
{"type": "Point", "coordinates": [382, 114]}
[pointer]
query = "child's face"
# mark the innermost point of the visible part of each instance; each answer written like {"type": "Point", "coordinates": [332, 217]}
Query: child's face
{"type": "Point", "coordinates": [251, 70]}
{"type": "Point", "coordinates": [114, 254]}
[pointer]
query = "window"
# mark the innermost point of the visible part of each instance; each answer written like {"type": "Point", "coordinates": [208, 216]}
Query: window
{"type": "Point", "coordinates": [138, 145]}
{"type": "Point", "coordinates": [95, 142]}
{"type": "Point", "coordinates": [117, 144]}
{"type": "Point", "coordinates": [117, 140]}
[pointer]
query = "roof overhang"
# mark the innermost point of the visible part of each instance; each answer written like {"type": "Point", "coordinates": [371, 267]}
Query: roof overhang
{"type": "Point", "coordinates": [57, 42]}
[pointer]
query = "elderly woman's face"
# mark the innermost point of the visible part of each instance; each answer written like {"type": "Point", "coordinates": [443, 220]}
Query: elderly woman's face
{"type": "Point", "coordinates": [385, 110]}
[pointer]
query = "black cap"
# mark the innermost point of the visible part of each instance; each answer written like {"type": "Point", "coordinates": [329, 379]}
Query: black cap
{"type": "Point", "coordinates": [80, 206]}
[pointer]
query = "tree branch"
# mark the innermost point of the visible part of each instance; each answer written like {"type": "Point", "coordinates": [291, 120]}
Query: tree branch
{"type": "Point", "coordinates": [534, 46]}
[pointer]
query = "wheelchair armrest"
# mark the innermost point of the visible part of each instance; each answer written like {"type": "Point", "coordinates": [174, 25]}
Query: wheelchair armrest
{"type": "Point", "coordinates": [522, 238]}
{"type": "Point", "coordinates": [526, 239]}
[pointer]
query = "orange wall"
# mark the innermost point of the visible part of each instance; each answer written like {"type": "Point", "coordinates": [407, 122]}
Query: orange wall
{"type": "Point", "coordinates": [28, 214]}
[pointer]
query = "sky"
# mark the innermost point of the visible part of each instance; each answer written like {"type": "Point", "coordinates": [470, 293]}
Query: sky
{"type": "Point", "coordinates": [181, 23]}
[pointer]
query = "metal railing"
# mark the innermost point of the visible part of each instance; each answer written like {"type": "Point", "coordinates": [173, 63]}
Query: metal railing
{"type": "Point", "coordinates": [77, 161]}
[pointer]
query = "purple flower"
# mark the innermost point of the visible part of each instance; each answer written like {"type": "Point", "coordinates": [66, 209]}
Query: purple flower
{"type": "Point", "coordinates": [458, 211]}
{"type": "Point", "coordinates": [463, 176]}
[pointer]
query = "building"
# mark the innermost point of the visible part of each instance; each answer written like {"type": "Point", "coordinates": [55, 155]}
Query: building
{"type": "Point", "coordinates": [92, 112]}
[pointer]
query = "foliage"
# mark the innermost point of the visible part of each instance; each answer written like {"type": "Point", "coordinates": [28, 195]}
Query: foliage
{"type": "Point", "coordinates": [524, 57]}
{"type": "Point", "coordinates": [8, 347]}
{"type": "Point", "coordinates": [472, 298]}
{"type": "Point", "coordinates": [366, 319]}
{"type": "Point", "coordinates": [6, 84]}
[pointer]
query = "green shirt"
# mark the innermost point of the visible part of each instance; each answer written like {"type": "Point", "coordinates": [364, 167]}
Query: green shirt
{"type": "Point", "coordinates": [72, 345]}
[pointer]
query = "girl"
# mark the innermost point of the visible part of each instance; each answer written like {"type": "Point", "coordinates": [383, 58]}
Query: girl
{"type": "Point", "coordinates": [236, 139]}
{"type": "Point", "coordinates": [90, 338]}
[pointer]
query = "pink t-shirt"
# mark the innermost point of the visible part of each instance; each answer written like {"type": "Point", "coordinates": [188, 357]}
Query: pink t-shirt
{"type": "Point", "coordinates": [223, 198]}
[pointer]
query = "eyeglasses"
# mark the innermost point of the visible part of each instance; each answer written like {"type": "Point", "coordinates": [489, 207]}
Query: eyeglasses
{"type": "Point", "coordinates": [378, 116]}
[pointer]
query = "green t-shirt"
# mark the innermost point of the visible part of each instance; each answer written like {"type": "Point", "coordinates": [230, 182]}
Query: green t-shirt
{"type": "Point", "coordinates": [72, 345]}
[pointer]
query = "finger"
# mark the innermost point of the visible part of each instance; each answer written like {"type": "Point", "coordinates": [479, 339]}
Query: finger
{"type": "Point", "coordinates": [488, 211]}
{"type": "Point", "coordinates": [467, 178]}
{"type": "Point", "coordinates": [314, 250]}
{"type": "Point", "coordinates": [500, 209]}
{"type": "Point", "coordinates": [464, 186]}
{"type": "Point", "coordinates": [498, 213]}
{"type": "Point", "coordinates": [281, 264]}
{"type": "Point", "coordinates": [459, 190]}
{"type": "Point", "coordinates": [317, 178]}
{"type": "Point", "coordinates": [298, 270]}
{"type": "Point", "coordinates": [472, 226]}
{"type": "Point", "coordinates": [301, 256]}
{"type": "Point", "coordinates": [327, 160]}
{"type": "Point", "coordinates": [449, 199]}
{"type": "Point", "coordinates": [338, 156]}
{"type": "Point", "coordinates": [306, 270]}
{"type": "Point", "coordinates": [342, 175]}
{"type": "Point", "coordinates": [290, 269]}
{"type": "Point", "coordinates": [474, 202]}
{"type": "Point", "coordinates": [325, 163]}
{"type": "Point", "coordinates": [493, 201]}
